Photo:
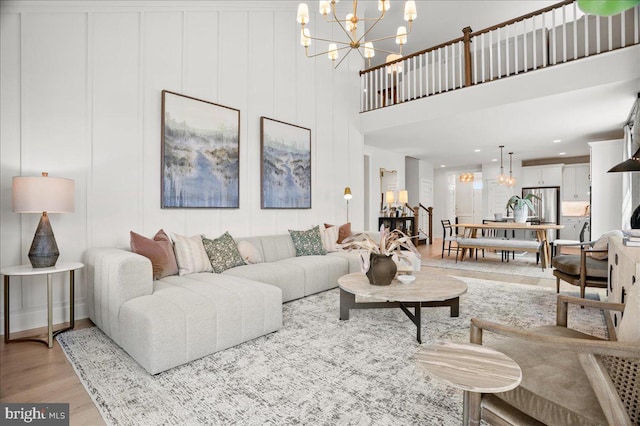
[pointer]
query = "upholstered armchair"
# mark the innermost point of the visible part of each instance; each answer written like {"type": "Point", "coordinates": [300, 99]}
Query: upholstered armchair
{"type": "Point", "coordinates": [589, 268]}
{"type": "Point", "coordinates": [568, 377]}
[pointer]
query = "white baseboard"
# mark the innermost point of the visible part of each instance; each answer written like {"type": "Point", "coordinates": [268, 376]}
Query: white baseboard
{"type": "Point", "coordinates": [36, 318]}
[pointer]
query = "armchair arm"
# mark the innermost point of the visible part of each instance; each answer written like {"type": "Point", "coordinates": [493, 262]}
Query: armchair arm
{"type": "Point", "coordinates": [603, 347]}
{"type": "Point", "coordinates": [564, 301]}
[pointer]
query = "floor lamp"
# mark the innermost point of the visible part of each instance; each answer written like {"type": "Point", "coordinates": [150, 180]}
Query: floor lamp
{"type": "Point", "coordinates": [347, 196]}
{"type": "Point", "coordinates": [630, 165]}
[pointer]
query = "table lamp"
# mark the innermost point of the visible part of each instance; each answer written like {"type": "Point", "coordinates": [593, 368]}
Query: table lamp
{"type": "Point", "coordinates": [630, 165]}
{"type": "Point", "coordinates": [390, 200]}
{"type": "Point", "coordinates": [347, 196]}
{"type": "Point", "coordinates": [43, 194]}
{"type": "Point", "coordinates": [403, 199]}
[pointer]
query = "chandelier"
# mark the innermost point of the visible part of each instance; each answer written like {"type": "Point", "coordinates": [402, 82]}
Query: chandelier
{"type": "Point", "coordinates": [349, 25]}
{"type": "Point", "coordinates": [501, 179]}
{"type": "Point", "coordinates": [466, 177]}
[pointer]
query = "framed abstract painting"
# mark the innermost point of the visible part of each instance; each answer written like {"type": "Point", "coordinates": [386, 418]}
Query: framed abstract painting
{"type": "Point", "coordinates": [200, 153]}
{"type": "Point", "coordinates": [285, 165]}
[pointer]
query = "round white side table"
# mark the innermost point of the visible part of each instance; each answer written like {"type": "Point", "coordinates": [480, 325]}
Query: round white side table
{"type": "Point", "coordinates": [28, 270]}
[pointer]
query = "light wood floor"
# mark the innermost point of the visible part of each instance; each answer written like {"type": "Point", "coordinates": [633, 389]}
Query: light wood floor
{"type": "Point", "coordinates": [29, 372]}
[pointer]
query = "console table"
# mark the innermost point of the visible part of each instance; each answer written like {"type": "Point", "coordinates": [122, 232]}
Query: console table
{"type": "Point", "coordinates": [28, 270]}
{"type": "Point", "coordinates": [405, 224]}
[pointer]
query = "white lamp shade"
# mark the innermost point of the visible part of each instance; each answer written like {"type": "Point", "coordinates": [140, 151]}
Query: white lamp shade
{"type": "Point", "coordinates": [349, 25]}
{"type": "Point", "coordinates": [401, 35]}
{"type": "Point", "coordinates": [43, 194]}
{"type": "Point", "coordinates": [410, 11]}
{"type": "Point", "coordinates": [325, 8]}
{"type": "Point", "coordinates": [389, 197]}
{"type": "Point", "coordinates": [305, 37]}
{"type": "Point", "coordinates": [397, 67]}
{"type": "Point", "coordinates": [303, 13]}
{"type": "Point", "coordinates": [384, 4]}
{"type": "Point", "coordinates": [403, 197]}
{"type": "Point", "coordinates": [333, 52]}
{"type": "Point", "coordinates": [369, 52]}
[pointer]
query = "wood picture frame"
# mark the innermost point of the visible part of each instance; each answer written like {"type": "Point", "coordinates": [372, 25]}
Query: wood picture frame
{"type": "Point", "coordinates": [200, 153]}
{"type": "Point", "coordinates": [285, 165]}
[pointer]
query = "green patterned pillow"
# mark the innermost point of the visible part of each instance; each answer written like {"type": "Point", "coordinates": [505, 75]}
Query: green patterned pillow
{"type": "Point", "coordinates": [307, 243]}
{"type": "Point", "coordinates": [223, 253]}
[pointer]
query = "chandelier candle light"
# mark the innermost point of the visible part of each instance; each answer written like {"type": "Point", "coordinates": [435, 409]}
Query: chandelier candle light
{"type": "Point", "coordinates": [349, 26]}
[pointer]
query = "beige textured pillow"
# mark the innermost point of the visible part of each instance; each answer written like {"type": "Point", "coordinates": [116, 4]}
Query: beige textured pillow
{"type": "Point", "coordinates": [249, 252]}
{"type": "Point", "coordinates": [190, 254]}
{"type": "Point", "coordinates": [602, 243]}
{"type": "Point", "coordinates": [628, 330]}
{"type": "Point", "coordinates": [329, 238]}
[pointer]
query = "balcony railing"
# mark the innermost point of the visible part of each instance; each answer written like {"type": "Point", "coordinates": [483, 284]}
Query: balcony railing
{"type": "Point", "coordinates": [550, 36]}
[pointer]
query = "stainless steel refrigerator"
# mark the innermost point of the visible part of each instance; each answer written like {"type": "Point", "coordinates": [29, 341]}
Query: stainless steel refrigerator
{"type": "Point", "coordinates": [547, 207]}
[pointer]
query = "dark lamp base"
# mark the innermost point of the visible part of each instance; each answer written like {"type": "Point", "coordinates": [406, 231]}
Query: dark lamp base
{"type": "Point", "coordinates": [44, 250]}
{"type": "Point", "coordinates": [635, 218]}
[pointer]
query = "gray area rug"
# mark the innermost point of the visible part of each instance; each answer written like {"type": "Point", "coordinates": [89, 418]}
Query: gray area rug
{"type": "Point", "coordinates": [315, 370]}
{"type": "Point", "coordinates": [523, 264]}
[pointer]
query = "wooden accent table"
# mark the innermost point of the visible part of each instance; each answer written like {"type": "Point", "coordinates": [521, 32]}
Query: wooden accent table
{"type": "Point", "coordinates": [425, 291]}
{"type": "Point", "coordinates": [28, 270]}
{"type": "Point", "coordinates": [475, 369]}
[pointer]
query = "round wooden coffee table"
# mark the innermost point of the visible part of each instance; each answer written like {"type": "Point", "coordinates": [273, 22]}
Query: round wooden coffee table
{"type": "Point", "coordinates": [426, 291]}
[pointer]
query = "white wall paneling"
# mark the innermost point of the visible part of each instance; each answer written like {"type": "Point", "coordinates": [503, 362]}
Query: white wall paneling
{"type": "Point", "coordinates": [81, 98]}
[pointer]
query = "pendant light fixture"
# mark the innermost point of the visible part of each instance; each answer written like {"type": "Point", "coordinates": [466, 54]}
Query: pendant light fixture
{"type": "Point", "coordinates": [501, 178]}
{"type": "Point", "coordinates": [511, 181]}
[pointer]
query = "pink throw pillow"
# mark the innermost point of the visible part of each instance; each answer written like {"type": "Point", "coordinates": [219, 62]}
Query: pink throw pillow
{"type": "Point", "coordinates": [159, 251]}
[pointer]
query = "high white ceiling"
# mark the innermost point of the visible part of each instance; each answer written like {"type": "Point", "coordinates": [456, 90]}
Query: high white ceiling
{"type": "Point", "coordinates": [527, 126]}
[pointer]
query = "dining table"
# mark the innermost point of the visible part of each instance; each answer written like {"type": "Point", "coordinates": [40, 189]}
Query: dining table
{"type": "Point", "coordinates": [470, 230]}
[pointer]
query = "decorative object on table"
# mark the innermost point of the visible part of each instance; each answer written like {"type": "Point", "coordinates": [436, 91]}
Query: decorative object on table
{"type": "Point", "coordinates": [511, 181]}
{"type": "Point", "coordinates": [349, 25]}
{"type": "Point", "coordinates": [521, 206]}
{"type": "Point", "coordinates": [633, 163]}
{"type": "Point", "coordinates": [378, 263]}
{"type": "Point", "coordinates": [403, 199]}
{"type": "Point", "coordinates": [347, 196]}
{"type": "Point", "coordinates": [285, 158]}
{"type": "Point", "coordinates": [200, 153]}
{"type": "Point", "coordinates": [606, 7]}
{"type": "Point", "coordinates": [406, 279]}
{"type": "Point", "coordinates": [43, 195]}
{"type": "Point", "coordinates": [501, 179]}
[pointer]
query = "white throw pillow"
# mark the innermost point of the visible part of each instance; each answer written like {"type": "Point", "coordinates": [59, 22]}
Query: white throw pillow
{"type": "Point", "coordinates": [329, 237]}
{"type": "Point", "coordinates": [190, 254]}
{"type": "Point", "coordinates": [628, 330]}
{"type": "Point", "coordinates": [603, 243]}
{"type": "Point", "coordinates": [249, 252]}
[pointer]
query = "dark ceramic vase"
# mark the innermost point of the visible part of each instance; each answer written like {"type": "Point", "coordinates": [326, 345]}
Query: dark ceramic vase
{"type": "Point", "coordinates": [382, 269]}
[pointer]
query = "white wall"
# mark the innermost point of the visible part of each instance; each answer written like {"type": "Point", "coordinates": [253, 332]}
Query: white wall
{"type": "Point", "coordinates": [379, 159]}
{"type": "Point", "coordinates": [606, 188]}
{"type": "Point", "coordinates": [81, 95]}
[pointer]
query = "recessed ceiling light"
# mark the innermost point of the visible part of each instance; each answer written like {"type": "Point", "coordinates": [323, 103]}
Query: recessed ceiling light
{"type": "Point", "coordinates": [442, 165]}
{"type": "Point", "coordinates": [562, 153]}
{"type": "Point", "coordinates": [494, 159]}
{"type": "Point", "coordinates": [557, 140]}
{"type": "Point", "coordinates": [476, 150]}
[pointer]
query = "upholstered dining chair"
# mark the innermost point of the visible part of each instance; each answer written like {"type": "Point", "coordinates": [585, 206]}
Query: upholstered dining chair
{"type": "Point", "coordinates": [568, 377]}
{"type": "Point", "coordinates": [448, 237]}
{"type": "Point", "coordinates": [587, 269]}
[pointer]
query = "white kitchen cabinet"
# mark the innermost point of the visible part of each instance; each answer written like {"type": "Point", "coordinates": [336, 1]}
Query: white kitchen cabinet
{"type": "Point", "coordinates": [575, 182]}
{"type": "Point", "coordinates": [571, 230]}
{"type": "Point", "coordinates": [533, 176]}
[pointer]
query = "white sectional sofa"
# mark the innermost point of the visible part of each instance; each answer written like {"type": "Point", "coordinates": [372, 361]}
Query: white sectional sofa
{"type": "Point", "coordinates": [177, 319]}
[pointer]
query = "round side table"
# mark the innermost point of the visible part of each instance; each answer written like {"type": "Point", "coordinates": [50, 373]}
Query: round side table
{"type": "Point", "coordinates": [475, 369]}
{"type": "Point", "coordinates": [28, 270]}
